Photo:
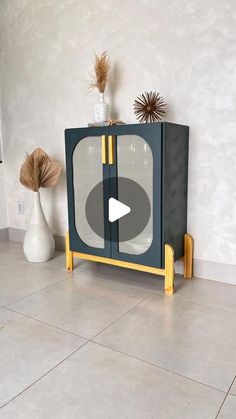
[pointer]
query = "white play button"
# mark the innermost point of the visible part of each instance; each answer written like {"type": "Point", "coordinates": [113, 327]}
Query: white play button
{"type": "Point", "coordinates": [117, 210]}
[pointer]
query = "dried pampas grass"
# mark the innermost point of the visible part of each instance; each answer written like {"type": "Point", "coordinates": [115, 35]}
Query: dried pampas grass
{"type": "Point", "coordinates": [101, 69]}
{"type": "Point", "coordinates": [39, 171]}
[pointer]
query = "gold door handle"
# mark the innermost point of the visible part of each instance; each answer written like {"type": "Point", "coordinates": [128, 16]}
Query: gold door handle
{"type": "Point", "coordinates": [111, 150]}
{"type": "Point", "coordinates": [104, 149]}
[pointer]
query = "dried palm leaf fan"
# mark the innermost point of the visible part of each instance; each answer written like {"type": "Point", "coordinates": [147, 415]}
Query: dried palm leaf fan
{"type": "Point", "coordinates": [39, 171]}
{"type": "Point", "coordinates": [101, 69]}
{"type": "Point", "coordinates": [149, 107]}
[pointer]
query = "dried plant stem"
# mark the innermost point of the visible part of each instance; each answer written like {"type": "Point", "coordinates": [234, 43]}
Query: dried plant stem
{"type": "Point", "coordinates": [101, 69]}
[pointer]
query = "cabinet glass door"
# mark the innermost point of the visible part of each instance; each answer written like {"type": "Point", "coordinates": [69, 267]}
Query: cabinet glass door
{"type": "Point", "coordinates": [135, 162]}
{"type": "Point", "coordinates": [88, 172]}
{"type": "Point", "coordinates": [138, 157]}
{"type": "Point", "coordinates": [86, 168]}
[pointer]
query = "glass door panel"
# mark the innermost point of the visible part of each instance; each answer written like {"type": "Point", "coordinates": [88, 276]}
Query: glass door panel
{"type": "Point", "coordinates": [87, 172]}
{"type": "Point", "coordinates": [135, 162]}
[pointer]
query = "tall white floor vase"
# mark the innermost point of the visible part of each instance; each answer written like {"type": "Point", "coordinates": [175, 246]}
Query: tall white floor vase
{"type": "Point", "coordinates": [39, 245]}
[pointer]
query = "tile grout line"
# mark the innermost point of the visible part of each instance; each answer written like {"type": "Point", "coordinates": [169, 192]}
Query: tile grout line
{"type": "Point", "coordinates": [231, 385]}
{"type": "Point", "coordinates": [223, 402]}
{"type": "Point", "coordinates": [179, 297]}
{"type": "Point", "coordinates": [34, 293]}
{"type": "Point", "coordinates": [161, 294]}
{"type": "Point", "coordinates": [151, 292]}
{"type": "Point", "coordinates": [175, 295]}
{"type": "Point", "coordinates": [76, 350]}
{"type": "Point", "coordinates": [206, 305]}
{"type": "Point", "coordinates": [91, 339]}
{"type": "Point", "coordinates": [45, 323]}
{"type": "Point", "coordinates": [158, 366]}
{"type": "Point", "coordinates": [67, 276]}
{"type": "Point", "coordinates": [119, 317]}
{"type": "Point", "coordinates": [112, 349]}
{"type": "Point", "coordinates": [110, 324]}
{"type": "Point", "coordinates": [44, 375]}
{"type": "Point", "coordinates": [67, 331]}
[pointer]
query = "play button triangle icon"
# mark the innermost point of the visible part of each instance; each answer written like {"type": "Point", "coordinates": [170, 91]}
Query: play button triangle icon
{"type": "Point", "coordinates": [117, 210]}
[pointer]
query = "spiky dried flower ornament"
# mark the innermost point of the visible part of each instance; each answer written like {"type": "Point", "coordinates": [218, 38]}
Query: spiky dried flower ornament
{"type": "Point", "coordinates": [149, 107]}
{"type": "Point", "coordinates": [39, 170]}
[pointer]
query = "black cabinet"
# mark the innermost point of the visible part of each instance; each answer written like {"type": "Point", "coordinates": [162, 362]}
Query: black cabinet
{"type": "Point", "coordinates": [155, 156]}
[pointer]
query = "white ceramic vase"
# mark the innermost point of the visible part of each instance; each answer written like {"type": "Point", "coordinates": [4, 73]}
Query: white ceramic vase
{"type": "Point", "coordinates": [101, 110]}
{"type": "Point", "coordinates": [39, 245]}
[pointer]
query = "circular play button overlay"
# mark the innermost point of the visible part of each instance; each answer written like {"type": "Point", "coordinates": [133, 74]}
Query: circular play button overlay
{"type": "Point", "coordinates": [118, 209]}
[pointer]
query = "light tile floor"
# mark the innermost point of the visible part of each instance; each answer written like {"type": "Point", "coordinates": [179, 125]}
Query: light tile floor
{"type": "Point", "coordinates": [104, 342]}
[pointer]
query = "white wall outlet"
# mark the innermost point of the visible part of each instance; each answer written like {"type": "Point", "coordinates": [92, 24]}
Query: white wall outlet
{"type": "Point", "coordinates": [20, 209]}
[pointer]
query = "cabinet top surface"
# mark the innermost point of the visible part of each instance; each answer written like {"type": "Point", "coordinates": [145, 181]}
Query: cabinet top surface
{"type": "Point", "coordinates": [164, 123]}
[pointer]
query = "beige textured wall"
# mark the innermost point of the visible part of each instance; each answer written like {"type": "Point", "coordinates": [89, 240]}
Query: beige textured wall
{"type": "Point", "coordinates": [3, 204]}
{"type": "Point", "coordinates": [184, 48]}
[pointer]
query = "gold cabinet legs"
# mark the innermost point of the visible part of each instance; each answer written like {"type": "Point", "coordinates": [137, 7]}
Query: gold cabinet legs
{"type": "Point", "coordinates": [188, 256]}
{"type": "Point", "coordinates": [169, 269]}
{"type": "Point", "coordinates": [69, 254]}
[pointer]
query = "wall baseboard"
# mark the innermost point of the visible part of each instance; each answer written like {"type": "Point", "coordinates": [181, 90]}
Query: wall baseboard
{"type": "Point", "coordinates": [214, 271]}
{"type": "Point", "coordinates": [18, 234]}
{"type": "Point", "coordinates": [221, 272]}
{"type": "Point", "coordinates": [4, 234]}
